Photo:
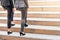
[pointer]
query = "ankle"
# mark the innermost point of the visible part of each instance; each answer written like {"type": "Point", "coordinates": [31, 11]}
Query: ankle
{"type": "Point", "coordinates": [12, 22]}
{"type": "Point", "coordinates": [9, 30]}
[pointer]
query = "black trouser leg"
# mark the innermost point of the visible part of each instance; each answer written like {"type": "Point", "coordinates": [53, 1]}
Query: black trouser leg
{"type": "Point", "coordinates": [23, 18]}
{"type": "Point", "coordinates": [12, 14]}
{"type": "Point", "coordinates": [10, 17]}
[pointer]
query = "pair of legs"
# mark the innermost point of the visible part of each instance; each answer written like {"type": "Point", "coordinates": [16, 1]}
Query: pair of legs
{"type": "Point", "coordinates": [23, 19]}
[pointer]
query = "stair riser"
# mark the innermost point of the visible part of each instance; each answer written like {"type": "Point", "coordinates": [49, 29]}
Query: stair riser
{"type": "Point", "coordinates": [16, 38]}
{"type": "Point", "coordinates": [36, 31]}
{"type": "Point", "coordinates": [45, 23]}
{"type": "Point", "coordinates": [49, 9]}
{"type": "Point", "coordinates": [44, 3]}
{"type": "Point", "coordinates": [34, 15]}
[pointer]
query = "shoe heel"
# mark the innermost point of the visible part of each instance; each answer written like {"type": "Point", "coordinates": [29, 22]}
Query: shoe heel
{"type": "Point", "coordinates": [26, 25]}
{"type": "Point", "coordinates": [12, 24]}
{"type": "Point", "coordinates": [21, 33]}
{"type": "Point", "coordinates": [9, 32]}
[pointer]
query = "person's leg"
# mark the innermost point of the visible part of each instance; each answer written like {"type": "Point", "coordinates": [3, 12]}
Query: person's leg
{"type": "Point", "coordinates": [9, 20]}
{"type": "Point", "coordinates": [12, 15]}
{"type": "Point", "coordinates": [11, 12]}
{"type": "Point", "coordinates": [25, 17]}
{"type": "Point", "coordinates": [22, 21]}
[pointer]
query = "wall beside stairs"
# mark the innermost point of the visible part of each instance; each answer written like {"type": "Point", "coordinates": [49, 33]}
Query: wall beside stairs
{"type": "Point", "coordinates": [43, 20]}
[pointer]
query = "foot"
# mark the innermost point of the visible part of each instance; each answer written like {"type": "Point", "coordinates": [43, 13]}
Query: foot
{"type": "Point", "coordinates": [12, 23]}
{"type": "Point", "coordinates": [22, 33]}
{"type": "Point", "coordinates": [9, 32]}
{"type": "Point", "coordinates": [26, 25]}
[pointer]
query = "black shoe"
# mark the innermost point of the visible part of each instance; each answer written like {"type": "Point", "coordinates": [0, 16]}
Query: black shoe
{"type": "Point", "coordinates": [9, 32]}
{"type": "Point", "coordinates": [12, 24]}
{"type": "Point", "coordinates": [22, 33]}
{"type": "Point", "coordinates": [26, 25]}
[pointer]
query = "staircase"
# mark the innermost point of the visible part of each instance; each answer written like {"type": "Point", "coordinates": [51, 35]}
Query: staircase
{"type": "Point", "coordinates": [43, 20]}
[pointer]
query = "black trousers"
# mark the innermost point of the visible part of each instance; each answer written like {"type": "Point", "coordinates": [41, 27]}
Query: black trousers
{"type": "Point", "coordinates": [9, 16]}
{"type": "Point", "coordinates": [23, 18]}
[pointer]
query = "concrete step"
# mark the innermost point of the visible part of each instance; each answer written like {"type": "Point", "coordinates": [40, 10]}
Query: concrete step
{"type": "Point", "coordinates": [29, 35]}
{"type": "Point", "coordinates": [33, 12]}
{"type": "Point", "coordinates": [37, 29]}
{"type": "Point", "coordinates": [41, 9]}
{"type": "Point", "coordinates": [34, 19]}
{"type": "Point", "coordinates": [43, 3]}
{"type": "Point", "coordinates": [30, 9]}
{"type": "Point", "coordinates": [39, 3]}
{"type": "Point", "coordinates": [17, 38]}
{"type": "Point", "coordinates": [45, 23]}
{"type": "Point", "coordinates": [32, 15]}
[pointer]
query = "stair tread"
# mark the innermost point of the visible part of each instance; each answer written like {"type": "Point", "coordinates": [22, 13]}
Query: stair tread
{"type": "Point", "coordinates": [30, 35]}
{"type": "Point", "coordinates": [32, 12]}
{"type": "Point", "coordinates": [32, 22]}
{"type": "Point", "coordinates": [35, 27]}
{"type": "Point", "coordinates": [35, 19]}
{"type": "Point", "coordinates": [33, 15]}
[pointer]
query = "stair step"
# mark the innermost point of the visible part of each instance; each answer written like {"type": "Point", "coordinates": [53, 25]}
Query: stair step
{"type": "Point", "coordinates": [39, 3]}
{"type": "Point", "coordinates": [29, 35]}
{"type": "Point", "coordinates": [39, 9]}
{"type": "Point", "coordinates": [34, 15]}
{"type": "Point", "coordinates": [43, 3]}
{"type": "Point", "coordinates": [37, 29]}
{"type": "Point", "coordinates": [30, 9]}
{"type": "Point", "coordinates": [45, 23]}
{"type": "Point", "coordinates": [34, 19]}
{"type": "Point", "coordinates": [32, 12]}
{"type": "Point", "coordinates": [17, 38]}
